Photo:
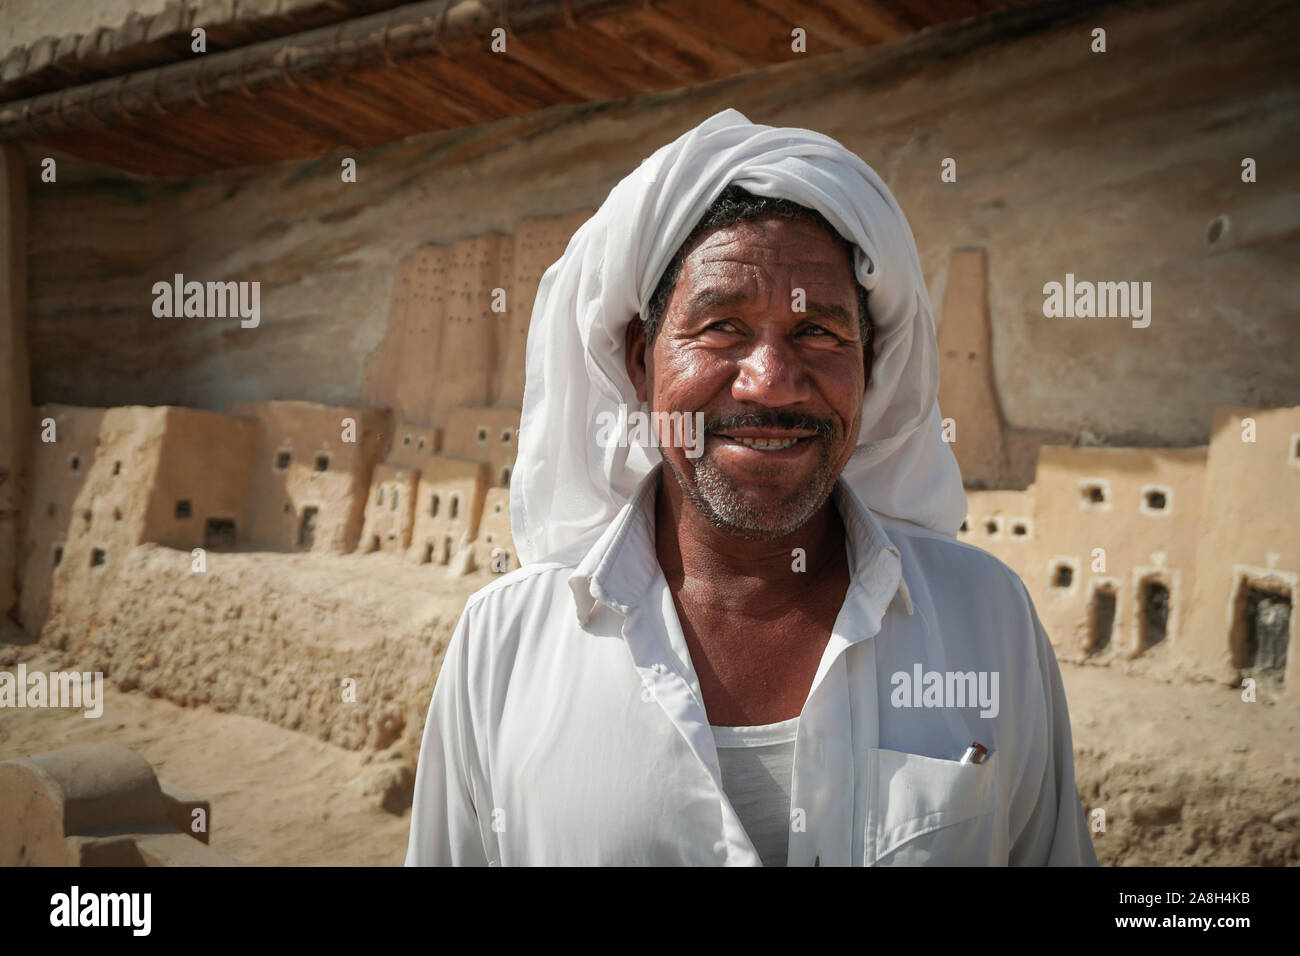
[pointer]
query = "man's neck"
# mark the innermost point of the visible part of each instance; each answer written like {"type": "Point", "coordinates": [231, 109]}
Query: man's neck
{"type": "Point", "coordinates": [748, 575]}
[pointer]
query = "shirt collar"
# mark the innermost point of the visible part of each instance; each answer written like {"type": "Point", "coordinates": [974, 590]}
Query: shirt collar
{"type": "Point", "coordinates": [620, 567]}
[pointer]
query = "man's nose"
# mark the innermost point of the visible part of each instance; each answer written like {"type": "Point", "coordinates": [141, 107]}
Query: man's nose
{"type": "Point", "coordinates": [770, 374]}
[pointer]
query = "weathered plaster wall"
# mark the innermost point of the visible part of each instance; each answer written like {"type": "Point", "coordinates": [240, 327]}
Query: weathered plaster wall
{"type": "Point", "coordinates": [1247, 531]}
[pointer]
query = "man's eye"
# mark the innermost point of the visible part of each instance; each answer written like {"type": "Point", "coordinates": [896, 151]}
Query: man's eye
{"type": "Point", "coordinates": [814, 328]}
{"type": "Point", "coordinates": [718, 325]}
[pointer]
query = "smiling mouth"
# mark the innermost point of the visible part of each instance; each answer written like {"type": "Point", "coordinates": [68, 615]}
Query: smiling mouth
{"type": "Point", "coordinates": [766, 443]}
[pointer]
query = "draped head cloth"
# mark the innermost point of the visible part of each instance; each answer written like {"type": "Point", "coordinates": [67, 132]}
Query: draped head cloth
{"type": "Point", "coordinates": [565, 484]}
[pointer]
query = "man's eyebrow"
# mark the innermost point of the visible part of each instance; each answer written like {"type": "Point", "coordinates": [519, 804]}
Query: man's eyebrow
{"type": "Point", "coordinates": [709, 299]}
{"type": "Point", "coordinates": [829, 312]}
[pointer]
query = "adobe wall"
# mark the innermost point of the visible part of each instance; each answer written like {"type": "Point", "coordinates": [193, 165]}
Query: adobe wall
{"type": "Point", "coordinates": [494, 547]}
{"type": "Point", "coordinates": [483, 434]}
{"type": "Point", "coordinates": [1247, 529]}
{"type": "Point", "coordinates": [280, 634]}
{"type": "Point", "coordinates": [390, 509]}
{"type": "Point", "coordinates": [466, 363]}
{"type": "Point", "coordinates": [281, 490]}
{"type": "Point", "coordinates": [538, 243]}
{"type": "Point", "coordinates": [445, 320]}
{"type": "Point", "coordinates": [966, 388]}
{"type": "Point", "coordinates": [449, 505]}
{"type": "Point", "coordinates": [55, 487]}
{"type": "Point", "coordinates": [201, 481]}
{"type": "Point", "coordinates": [1120, 541]}
{"type": "Point", "coordinates": [412, 443]}
{"type": "Point", "coordinates": [91, 494]}
{"type": "Point", "coordinates": [993, 521]}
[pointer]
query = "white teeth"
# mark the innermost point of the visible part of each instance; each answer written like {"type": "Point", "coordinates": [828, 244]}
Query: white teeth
{"type": "Point", "coordinates": [772, 443]}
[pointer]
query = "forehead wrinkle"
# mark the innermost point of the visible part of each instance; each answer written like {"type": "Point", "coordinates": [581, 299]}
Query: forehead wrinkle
{"type": "Point", "coordinates": [785, 254]}
{"type": "Point", "coordinates": [775, 235]}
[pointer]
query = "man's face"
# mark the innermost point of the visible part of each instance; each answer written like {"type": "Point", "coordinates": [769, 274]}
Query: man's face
{"type": "Point", "coordinates": [732, 345]}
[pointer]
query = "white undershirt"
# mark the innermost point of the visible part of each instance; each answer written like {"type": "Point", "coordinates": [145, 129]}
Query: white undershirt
{"type": "Point", "coordinates": [757, 766]}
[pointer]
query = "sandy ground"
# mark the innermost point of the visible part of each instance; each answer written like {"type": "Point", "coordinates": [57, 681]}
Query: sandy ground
{"type": "Point", "coordinates": [1187, 772]}
{"type": "Point", "coordinates": [278, 796]}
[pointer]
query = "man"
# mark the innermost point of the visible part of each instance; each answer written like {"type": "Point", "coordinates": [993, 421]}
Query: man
{"type": "Point", "coordinates": [772, 652]}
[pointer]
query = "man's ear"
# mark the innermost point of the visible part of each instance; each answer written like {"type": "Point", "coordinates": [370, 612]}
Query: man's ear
{"type": "Point", "coordinates": [636, 357]}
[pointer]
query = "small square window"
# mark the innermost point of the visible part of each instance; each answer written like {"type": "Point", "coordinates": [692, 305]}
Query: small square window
{"type": "Point", "coordinates": [1157, 501]}
{"type": "Point", "coordinates": [117, 467]}
{"type": "Point", "coordinates": [322, 462]}
{"type": "Point", "coordinates": [506, 435]}
{"type": "Point", "coordinates": [1063, 576]}
{"type": "Point", "coordinates": [183, 509]}
{"type": "Point", "coordinates": [965, 524]}
{"type": "Point", "coordinates": [1094, 494]}
{"type": "Point", "coordinates": [58, 554]}
{"type": "Point", "coordinates": [1019, 529]}
{"type": "Point", "coordinates": [97, 557]}
{"type": "Point", "coordinates": [406, 440]}
{"type": "Point", "coordinates": [74, 463]}
{"type": "Point", "coordinates": [991, 526]}
{"type": "Point", "coordinates": [482, 434]}
{"type": "Point", "coordinates": [282, 460]}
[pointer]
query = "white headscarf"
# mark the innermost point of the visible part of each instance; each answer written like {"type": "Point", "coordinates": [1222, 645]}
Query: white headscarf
{"type": "Point", "coordinates": [564, 484]}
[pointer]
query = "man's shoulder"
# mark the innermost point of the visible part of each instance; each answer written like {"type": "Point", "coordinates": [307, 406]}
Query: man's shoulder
{"type": "Point", "coordinates": [937, 544]}
{"type": "Point", "coordinates": [534, 583]}
{"type": "Point", "coordinates": [977, 569]}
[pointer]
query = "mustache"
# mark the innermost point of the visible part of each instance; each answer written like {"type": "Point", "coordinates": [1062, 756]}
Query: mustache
{"type": "Point", "coordinates": [756, 419]}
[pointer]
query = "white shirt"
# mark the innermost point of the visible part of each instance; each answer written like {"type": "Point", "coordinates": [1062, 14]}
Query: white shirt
{"type": "Point", "coordinates": [567, 725]}
{"type": "Point", "coordinates": [757, 766]}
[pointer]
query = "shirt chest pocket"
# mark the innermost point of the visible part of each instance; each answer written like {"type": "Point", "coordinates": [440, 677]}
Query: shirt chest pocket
{"type": "Point", "coordinates": [922, 811]}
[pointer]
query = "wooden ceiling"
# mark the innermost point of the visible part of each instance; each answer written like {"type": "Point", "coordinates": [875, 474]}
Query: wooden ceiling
{"type": "Point", "coordinates": [286, 79]}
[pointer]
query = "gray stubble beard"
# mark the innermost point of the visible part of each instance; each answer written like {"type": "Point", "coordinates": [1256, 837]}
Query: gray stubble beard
{"type": "Point", "coordinates": [723, 505]}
